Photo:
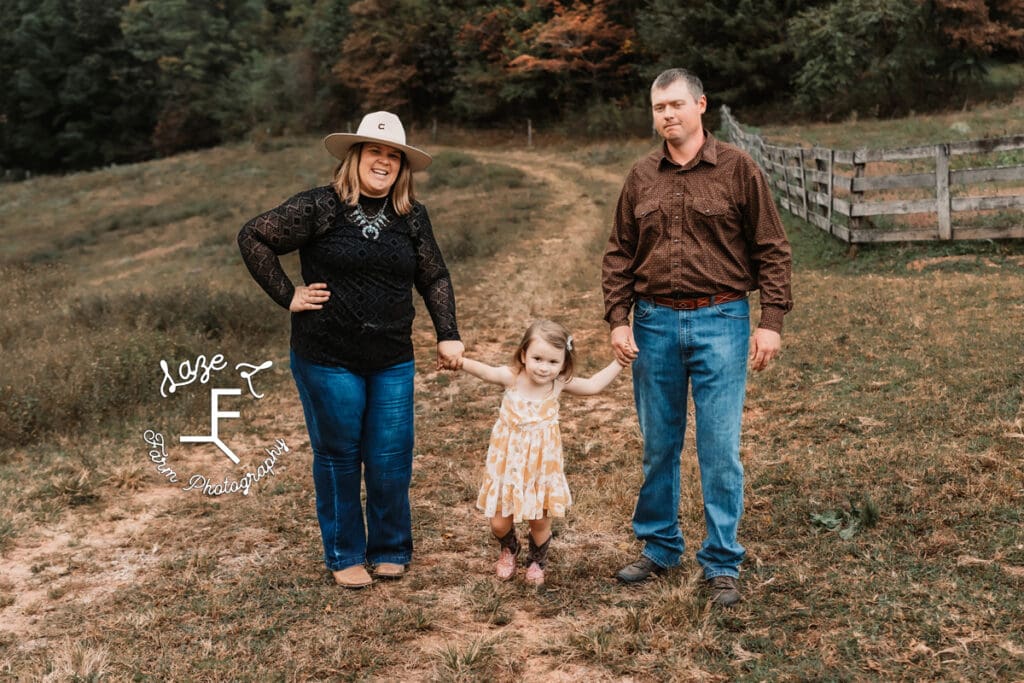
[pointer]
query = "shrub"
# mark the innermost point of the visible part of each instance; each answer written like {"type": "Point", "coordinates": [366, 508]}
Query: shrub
{"type": "Point", "coordinates": [879, 56]}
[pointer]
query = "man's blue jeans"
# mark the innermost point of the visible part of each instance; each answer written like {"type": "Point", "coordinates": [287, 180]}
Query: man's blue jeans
{"type": "Point", "coordinates": [706, 350]}
{"type": "Point", "coordinates": [360, 423]}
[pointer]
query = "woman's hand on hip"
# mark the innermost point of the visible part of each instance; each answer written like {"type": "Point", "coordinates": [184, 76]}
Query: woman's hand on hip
{"type": "Point", "coordinates": [309, 298]}
{"type": "Point", "coordinates": [449, 353]}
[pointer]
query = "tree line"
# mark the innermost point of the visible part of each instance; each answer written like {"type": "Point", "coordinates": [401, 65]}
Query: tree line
{"type": "Point", "coordinates": [93, 82]}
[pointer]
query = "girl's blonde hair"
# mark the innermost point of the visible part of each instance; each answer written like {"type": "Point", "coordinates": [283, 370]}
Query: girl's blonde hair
{"type": "Point", "coordinates": [556, 335]}
{"type": "Point", "coordinates": [346, 182]}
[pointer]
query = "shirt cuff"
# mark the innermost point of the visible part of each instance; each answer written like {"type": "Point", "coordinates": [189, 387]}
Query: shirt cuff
{"type": "Point", "coordinates": [618, 316]}
{"type": "Point", "coordinates": [771, 318]}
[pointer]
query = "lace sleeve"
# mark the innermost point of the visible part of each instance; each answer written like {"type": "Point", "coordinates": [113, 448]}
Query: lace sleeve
{"type": "Point", "coordinates": [279, 231]}
{"type": "Point", "coordinates": [433, 281]}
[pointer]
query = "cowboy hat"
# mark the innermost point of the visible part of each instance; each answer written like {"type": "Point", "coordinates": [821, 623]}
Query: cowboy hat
{"type": "Point", "coordinates": [383, 127]}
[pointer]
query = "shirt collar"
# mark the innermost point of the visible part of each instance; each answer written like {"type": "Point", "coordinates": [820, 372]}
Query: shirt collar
{"type": "Point", "coordinates": [708, 152]}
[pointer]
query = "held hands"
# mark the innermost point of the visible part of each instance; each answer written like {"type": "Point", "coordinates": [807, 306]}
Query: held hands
{"type": "Point", "coordinates": [449, 354]}
{"type": "Point", "coordinates": [764, 346]}
{"type": "Point", "coordinates": [623, 345]}
{"type": "Point", "coordinates": [309, 298]}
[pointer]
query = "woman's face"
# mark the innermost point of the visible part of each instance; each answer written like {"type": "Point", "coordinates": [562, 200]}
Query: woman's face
{"type": "Point", "coordinates": [378, 168]}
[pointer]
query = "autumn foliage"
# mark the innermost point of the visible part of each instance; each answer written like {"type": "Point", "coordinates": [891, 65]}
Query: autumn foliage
{"type": "Point", "coordinates": [90, 82]}
{"type": "Point", "coordinates": [579, 40]}
{"type": "Point", "coordinates": [983, 27]}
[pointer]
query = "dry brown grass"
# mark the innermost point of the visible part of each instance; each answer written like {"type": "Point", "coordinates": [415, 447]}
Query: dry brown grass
{"type": "Point", "coordinates": [902, 383]}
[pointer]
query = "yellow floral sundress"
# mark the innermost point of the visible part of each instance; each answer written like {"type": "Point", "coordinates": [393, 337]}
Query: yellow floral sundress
{"type": "Point", "coordinates": [524, 476]}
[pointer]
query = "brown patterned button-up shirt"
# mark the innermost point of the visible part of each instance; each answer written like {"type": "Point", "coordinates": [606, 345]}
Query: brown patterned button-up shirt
{"type": "Point", "coordinates": [686, 231]}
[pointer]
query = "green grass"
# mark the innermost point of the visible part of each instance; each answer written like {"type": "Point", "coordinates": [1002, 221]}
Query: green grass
{"type": "Point", "coordinates": [976, 121]}
{"type": "Point", "coordinates": [469, 229]}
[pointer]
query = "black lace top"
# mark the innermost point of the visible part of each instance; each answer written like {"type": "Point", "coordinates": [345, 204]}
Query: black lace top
{"type": "Point", "coordinates": [366, 324]}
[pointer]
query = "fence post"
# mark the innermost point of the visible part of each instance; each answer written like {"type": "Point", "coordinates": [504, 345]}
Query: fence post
{"type": "Point", "coordinates": [856, 222]}
{"type": "Point", "coordinates": [942, 198]}
{"type": "Point", "coordinates": [783, 170]}
{"type": "Point", "coordinates": [825, 166]}
{"type": "Point", "coordinates": [529, 133]}
{"type": "Point", "coordinates": [433, 130]}
{"type": "Point", "coordinates": [803, 183]}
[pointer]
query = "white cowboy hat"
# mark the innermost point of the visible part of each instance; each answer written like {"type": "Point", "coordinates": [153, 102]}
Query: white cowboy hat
{"type": "Point", "coordinates": [383, 127]}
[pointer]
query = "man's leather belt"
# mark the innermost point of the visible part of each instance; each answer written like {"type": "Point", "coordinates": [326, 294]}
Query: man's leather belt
{"type": "Point", "coordinates": [696, 302]}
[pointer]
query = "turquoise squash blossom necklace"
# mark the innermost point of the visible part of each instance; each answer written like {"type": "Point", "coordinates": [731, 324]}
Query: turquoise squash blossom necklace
{"type": "Point", "coordinates": [371, 225]}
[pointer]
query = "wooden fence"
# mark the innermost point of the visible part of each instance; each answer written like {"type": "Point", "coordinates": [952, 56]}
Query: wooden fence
{"type": "Point", "coordinates": [868, 195]}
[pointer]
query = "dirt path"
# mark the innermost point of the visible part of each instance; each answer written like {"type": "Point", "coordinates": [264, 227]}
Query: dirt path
{"type": "Point", "coordinates": [553, 273]}
{"type": "Point", "coordinates": [93, 551]}
{"type": "Point", "coordinates": [540, 270]}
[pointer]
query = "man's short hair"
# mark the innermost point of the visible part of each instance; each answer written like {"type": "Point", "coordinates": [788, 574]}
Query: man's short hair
{"type": "Point", "coordinates": [670, 76]}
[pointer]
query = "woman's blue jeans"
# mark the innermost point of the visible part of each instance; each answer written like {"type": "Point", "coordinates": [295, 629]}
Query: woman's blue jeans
{"type": "Point", "coordinates": [706, 350]}
{"type": "Point", "coordinates": [360, 424]}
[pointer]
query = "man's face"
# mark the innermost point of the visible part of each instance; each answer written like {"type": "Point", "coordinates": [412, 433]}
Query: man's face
{"type": "Point", "coordinates": [676, 112]}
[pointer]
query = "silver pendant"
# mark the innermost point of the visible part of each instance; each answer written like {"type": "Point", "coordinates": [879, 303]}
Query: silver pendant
{"type": "Point", "coordinates": [371, 225]}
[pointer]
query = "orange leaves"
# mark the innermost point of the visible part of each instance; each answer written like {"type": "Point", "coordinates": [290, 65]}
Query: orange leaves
{"type": "Point", "coordinates": [983, 26]}
{"type": "Point", "coordinates": [577, 38]}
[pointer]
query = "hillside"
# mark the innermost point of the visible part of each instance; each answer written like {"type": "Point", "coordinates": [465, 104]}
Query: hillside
{"type": "Point", "coordinates": [900, 393]}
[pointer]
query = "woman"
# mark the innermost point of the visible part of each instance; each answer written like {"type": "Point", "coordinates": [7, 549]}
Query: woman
{"type": "Point", "coordinates": [364, 242]}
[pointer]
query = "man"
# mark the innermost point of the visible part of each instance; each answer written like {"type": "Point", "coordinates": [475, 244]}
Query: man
{"type": "Point", "coordinates": [695, 229]}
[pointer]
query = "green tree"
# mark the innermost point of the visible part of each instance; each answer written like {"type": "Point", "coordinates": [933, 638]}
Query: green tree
{"type": "Point", "coordinates": [480, 49]}
{"type": "Point", "coordinates": [284, 82]}
{"type": "Point", "coordinates": [876, 56]}
{"type": "Point", "coordinates": [74, 97]}
{"type": "Point", "coordinates": [194, 47]}
{"type": "Point", "coordinates": [322, 26]}
{"type": "Point", "coordinates": [738, 48]}
{"type": "Point", "coordinates": [397, 55]}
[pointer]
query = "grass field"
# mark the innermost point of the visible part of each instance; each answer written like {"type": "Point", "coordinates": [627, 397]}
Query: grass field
{"type": "Point", "coordinates": [884, 451]}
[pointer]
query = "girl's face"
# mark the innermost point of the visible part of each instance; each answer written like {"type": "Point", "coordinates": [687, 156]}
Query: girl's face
{"type": "Point", "coordinates": [378, 168]}
{"type": "Point", "coordinates": [542, 361]}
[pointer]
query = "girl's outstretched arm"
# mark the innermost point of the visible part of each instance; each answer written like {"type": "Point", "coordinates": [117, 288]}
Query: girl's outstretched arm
{"type": "Point", "coordinates": [488, 373]}
{"type": "Point", "coordinates": [596, 384]}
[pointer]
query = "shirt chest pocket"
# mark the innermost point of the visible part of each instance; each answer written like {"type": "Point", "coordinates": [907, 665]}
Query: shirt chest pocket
{"type": "Point", "coordinates": [649, 217]}
{"type": "Point", "coordinates": [710, 213]}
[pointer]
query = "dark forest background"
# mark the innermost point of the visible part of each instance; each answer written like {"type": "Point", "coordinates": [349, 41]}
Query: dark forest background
{"type": "Point", "coordinates": [92, 82]}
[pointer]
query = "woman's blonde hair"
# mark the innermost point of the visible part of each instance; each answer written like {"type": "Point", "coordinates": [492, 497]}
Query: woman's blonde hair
{"type": "Point", "coordinates": [556, 335]}
{"type": "Point", "coordinates": [346, 182]}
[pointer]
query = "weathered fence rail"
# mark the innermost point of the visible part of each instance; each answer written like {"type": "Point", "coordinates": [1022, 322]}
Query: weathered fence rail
{"type": "Point", "coordinates": [882, 195]}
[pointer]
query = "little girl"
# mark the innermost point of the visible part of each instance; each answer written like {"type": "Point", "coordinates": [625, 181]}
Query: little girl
{"type": "Point", "coordinates": [524, 476]}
